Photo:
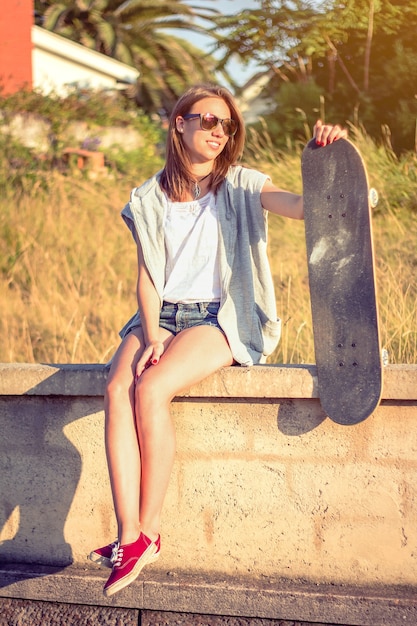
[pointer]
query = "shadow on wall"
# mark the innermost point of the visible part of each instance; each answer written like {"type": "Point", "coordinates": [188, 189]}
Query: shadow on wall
{"type": "Point", "coordinates": [39, 472]}
{"type": "Point", "coordinates": [299, 416]}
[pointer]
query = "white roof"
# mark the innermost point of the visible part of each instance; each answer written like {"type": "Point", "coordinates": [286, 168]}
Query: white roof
{"type": "Point", "coordinates": [59, 63]}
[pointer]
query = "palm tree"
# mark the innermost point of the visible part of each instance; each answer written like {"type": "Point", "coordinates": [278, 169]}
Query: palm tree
{"type": "Point", "coordinates": [139, 33]}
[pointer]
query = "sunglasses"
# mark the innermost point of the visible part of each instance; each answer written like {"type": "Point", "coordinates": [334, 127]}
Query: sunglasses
{"type": "Point", "coordinates": [208, 121]}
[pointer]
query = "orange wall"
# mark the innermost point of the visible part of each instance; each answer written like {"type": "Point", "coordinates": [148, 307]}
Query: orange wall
{"type": "Point", "coordinates": [16, 19]}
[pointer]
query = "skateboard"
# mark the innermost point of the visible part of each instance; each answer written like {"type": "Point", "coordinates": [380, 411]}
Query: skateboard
{"type": "Point", "coordinates": [337, 214]}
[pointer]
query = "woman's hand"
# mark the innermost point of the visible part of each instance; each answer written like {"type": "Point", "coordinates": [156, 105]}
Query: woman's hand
{"type": "Point", "coordinates": [150, 356]}
{"type": "Point", "coordinates": [327, 133]}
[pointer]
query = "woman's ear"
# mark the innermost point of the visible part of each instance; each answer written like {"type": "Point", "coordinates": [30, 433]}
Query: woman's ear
{"type": "Point", "coordinates": [179, 124]}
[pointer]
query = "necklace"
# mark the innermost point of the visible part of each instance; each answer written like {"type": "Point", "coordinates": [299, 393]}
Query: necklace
{"type": "Point", "coordinates": [197, 188]}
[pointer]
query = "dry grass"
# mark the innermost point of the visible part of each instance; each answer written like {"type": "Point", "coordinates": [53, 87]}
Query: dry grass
{"type": "Point", "coordinates": [395, 236]}
{"type": "Point", "coordinates": [69, 281]}
{"type": "Point", "coordinates": [67, 265]}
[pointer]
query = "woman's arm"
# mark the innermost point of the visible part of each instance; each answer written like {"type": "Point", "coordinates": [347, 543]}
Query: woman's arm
{"type": "Point", "coordinates": [149, 308]}
{"type": "Point", "coordinates": [282, 202]}
{"type": "Point", "coordinates": [290, 204]}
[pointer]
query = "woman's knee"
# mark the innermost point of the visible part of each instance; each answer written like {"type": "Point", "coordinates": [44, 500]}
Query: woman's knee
{"type": "Point", "coordinates": [120, 379]}
{"type": "Point", "coordinates": [118, 389]}
{"type": "Point", "coordinates": [150, 392]}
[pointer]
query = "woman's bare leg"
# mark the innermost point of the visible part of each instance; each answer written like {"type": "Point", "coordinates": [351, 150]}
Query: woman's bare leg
{"type": "Point", "coordinates": [191, 356]}
{"type": "Point", "coordinates": [122, 446]}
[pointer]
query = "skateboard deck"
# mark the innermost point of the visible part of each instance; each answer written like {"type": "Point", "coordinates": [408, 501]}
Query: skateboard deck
{"type": "Point", "coordinates": [341, 273]}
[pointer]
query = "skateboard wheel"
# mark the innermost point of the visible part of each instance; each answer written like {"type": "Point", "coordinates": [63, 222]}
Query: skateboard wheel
{"type": "Point", "coordinates": [373, 197]}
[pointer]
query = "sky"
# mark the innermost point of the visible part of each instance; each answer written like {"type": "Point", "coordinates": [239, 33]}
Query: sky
{"type": "Point", "coordinates": [241, 73]}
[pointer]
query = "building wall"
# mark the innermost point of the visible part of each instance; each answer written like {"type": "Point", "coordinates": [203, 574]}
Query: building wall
{"type": "Point", "coordinates": [32, 57]}
{"type": "Point", "coordinates": [58, 75]}
{"type": "Point", "coordinates": [16, 18]}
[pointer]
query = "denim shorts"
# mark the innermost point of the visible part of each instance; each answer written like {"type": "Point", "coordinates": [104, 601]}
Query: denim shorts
{"type": "Point", "coordinates": [177, 317]}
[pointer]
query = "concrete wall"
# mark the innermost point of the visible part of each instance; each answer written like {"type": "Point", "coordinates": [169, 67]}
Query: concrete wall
{"type": "Point", "coordinates": [36, 133]}
{"type": "Point", "coordinates": [265, 487]}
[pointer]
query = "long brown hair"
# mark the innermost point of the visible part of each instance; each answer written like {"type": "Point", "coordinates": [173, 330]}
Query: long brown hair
{"type": "Point", "coordinates": [176, 177]}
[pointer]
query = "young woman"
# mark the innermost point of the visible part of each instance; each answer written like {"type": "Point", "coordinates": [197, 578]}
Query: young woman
{"type": "Point", "coordinates": [205, 300]}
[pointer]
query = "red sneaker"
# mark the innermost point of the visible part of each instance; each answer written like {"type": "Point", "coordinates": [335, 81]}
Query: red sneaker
{"type": "Point", "coordinates": [130, 560]}
{"type": "Point", "coordinates": [103, 556]}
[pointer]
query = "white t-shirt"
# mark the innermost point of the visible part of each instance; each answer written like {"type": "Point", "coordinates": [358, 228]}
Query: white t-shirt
{"type": "Point", "coordinates": [191, 242]}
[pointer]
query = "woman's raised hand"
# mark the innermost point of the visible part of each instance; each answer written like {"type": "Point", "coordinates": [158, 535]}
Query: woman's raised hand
{"type": "Point", "coordinates": [327, 133]}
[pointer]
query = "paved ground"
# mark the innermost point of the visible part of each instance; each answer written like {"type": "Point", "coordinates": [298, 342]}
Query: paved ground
{"type": "Point", "coordinates": [14, 612]}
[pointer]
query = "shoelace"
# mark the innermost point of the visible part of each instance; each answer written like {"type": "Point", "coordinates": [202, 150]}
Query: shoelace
{"type": "Point", "coordinates": [116, 554]}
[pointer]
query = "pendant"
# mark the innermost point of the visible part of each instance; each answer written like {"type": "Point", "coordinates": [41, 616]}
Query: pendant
{"type": "Point", "coordinates": [197, 188]}
{"type": "Point", "coordinates": [197, 191]}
